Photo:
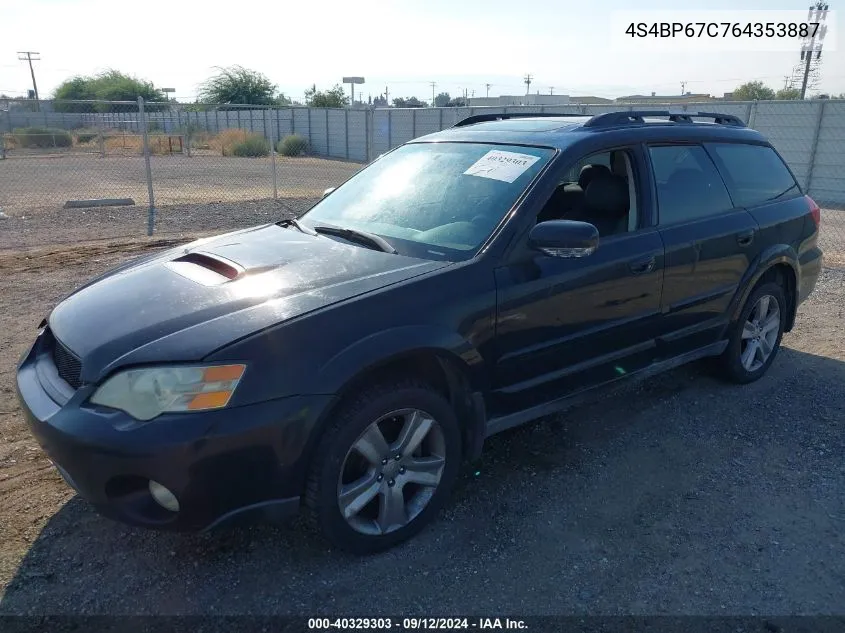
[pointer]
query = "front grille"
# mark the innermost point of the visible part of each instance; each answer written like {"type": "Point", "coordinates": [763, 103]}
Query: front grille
{"type": "Point", "coordinates": [68, 365]}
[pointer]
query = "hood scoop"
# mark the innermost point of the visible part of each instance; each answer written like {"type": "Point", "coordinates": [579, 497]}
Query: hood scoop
{"type": "Point", "coordinates": [205, 268]}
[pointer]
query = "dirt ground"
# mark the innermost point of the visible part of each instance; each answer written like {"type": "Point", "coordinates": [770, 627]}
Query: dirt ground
{"type": "Point", "coordinates": [681, 495]}
{"type": "Point", "coordinates": [33, 184]}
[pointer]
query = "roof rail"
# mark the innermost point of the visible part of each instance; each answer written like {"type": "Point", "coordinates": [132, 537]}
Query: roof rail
{"type": "Point", "coordinates": [501, 116]}
{"type": "Point", "coordinates": [638, 116]}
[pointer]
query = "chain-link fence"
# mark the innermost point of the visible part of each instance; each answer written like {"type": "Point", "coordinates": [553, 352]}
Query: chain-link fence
{"type": "Point", "coordinates": [205, 167]}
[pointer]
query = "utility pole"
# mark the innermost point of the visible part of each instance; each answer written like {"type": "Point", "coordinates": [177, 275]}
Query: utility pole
{"type": "Point", "coordinates": [785, 82]}
{"type": "Point", "coordinates": [818, 13]}
{"type": "Point", "coordinates": [432, 93]}
{"type": "Point", "coordinates": [488, 88]}
{"type": "Point", "coordinates": [528, 79]}
{"type": "Point", "coordinates": [683, 88]}
{"type": "Point", "coordinates": [551, 90]}
{"type": "Point", "coordinates": [387, 96]}
{"type": "Point", "coordinates": [26, 56]}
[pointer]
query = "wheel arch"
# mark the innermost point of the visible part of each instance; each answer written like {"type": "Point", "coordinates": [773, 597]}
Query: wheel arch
{"type": "Point", "coordinates": [780, 264]}
{"type": "Point", "coordinates": [446, 361]}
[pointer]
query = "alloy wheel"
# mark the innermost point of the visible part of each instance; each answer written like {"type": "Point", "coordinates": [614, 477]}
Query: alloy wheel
{"type": "Point", "coordinates": [391, 472]}
{"type": "Point", "coordinates": [760, 333]}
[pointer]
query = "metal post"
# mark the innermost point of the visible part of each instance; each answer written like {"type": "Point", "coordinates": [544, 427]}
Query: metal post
{"type": "Point", "coordinates": [188, 134]}
{"type": "Point", "coordinates": [368, 131]}
{"type": "Point", "coordinates": [814, 147]}
{"type": "Point", "coordinates": [310, 140]}
{"type": "Point", "coordinates": [389, 131]}
{"type": "Point", "coordinates": [414, 123]}
{"type": "Point", "coordinates": [101, 139]}
{"type": "Point", "coordinates": [346, 130]}
{"type": "Point", "coordinates": [753, 116]}
{"type": "Point", "coordinates": [272, 156]}
{"type": "Point", "coordinates": [2, 146]}
{"type": "Point", "coordinates": [151, 218]}
{"type": "Point", "coordinates": [441, 118]}
{"type": "Point", "coordinates": [328, 145]}
{"type": "Point", "coordinates": [748, 115]}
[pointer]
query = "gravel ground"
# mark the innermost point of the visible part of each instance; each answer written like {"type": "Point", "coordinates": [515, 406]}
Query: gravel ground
{"type": "Point", "coordinates": [680, 495]}
{"type": "Point", "coordinates": [35, 184]}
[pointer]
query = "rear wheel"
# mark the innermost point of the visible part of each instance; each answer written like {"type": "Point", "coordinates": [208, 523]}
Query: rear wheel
{"type": "Point", "coordinates": [756, 337]}
{"type": "Point", "coordinates": [385, 467]}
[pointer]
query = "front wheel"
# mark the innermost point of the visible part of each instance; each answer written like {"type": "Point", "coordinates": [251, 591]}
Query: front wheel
{"type": "Point", "coordinates": [385, 467]}
{"type": "Point", "coordinates": [756, 337]}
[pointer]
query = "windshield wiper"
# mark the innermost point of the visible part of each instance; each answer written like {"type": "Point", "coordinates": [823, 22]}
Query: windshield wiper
{"type": "Point", "coordinates": [782, 193]}
{"type": "Point", "coordinates": [354, 235]}
{"type": "Point", "coordinates": [299, 225]}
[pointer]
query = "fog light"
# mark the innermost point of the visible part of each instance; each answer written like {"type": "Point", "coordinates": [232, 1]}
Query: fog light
{"type": "Point", "coordinates": [163, 496]}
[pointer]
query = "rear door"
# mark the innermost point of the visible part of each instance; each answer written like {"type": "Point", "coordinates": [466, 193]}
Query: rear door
{"type": "Point", "coordinates": [760, 181]}
{"type": "Point", "coordinates": [709, 242]}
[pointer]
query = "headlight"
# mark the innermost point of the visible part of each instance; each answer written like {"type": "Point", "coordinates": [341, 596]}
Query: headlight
{"type": "Point", "coordinates": [148, 392]}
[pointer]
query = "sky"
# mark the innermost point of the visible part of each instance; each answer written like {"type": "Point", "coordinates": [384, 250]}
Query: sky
{"type": "Point", "coordinates": [566, 46]}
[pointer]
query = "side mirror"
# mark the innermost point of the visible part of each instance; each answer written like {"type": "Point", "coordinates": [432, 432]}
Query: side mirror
{"type": "Point", "coordinates": [327, 192]}
{"type": "Point", "coordinates": [564, 238]}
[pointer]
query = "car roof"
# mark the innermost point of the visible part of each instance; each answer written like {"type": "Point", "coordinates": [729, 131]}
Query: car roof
{"type": "Point", "coordinates": [623, 127]}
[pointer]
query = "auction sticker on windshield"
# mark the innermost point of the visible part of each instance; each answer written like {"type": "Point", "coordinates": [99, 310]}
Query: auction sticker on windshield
{"type": "Point", "coordinates": [499, 165]}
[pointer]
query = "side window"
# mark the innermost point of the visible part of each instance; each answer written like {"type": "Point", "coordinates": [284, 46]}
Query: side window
{"type": "Point", "coordinates": [600, 189]}
{"type": "Point", "coordinates": [688, 184]}
{"type": "Point", "coordinates": [754, 173]}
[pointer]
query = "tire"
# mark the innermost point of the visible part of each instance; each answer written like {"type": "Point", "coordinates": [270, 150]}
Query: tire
{"type": "Point", "coordinates": [347, 467]}
{"type": "Point", "coordinates": [734, 362]}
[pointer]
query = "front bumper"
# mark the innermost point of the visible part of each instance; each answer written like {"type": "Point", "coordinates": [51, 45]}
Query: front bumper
{"type": "Point", "coordinates": [218, 463]}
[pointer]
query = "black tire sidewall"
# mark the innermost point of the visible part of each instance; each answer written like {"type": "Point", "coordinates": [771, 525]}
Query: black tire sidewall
{"type": "Point", "coordinates": [732, 358]}
{"type": "Point", "coordinates": [336, 446]}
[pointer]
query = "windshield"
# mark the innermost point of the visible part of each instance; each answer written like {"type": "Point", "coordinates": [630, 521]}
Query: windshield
{"type": "Point", "coordinates": [433, 200]}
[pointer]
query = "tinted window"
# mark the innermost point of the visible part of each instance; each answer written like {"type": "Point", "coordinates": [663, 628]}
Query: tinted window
{"type": "Point", "coordinates": [688, 184]}
{"type": "Point", "coordinates": [755, 173]}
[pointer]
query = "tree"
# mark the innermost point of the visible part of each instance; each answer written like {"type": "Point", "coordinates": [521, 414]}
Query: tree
{"type": "Point", "coordinates": [111, 85]}
{"type": "Point", "coordinates": [442, 100]}
{"type": "Point", "coordinates": [752, 91]}
{"type": "Point", "coordinates": [334, 98]}
{"type": "Point", "coordinates": [786, 94]}
{"type": "Point", "coordinates": [237, 84]}
{"type": "Point", "coordinates": [380, 102]}
{"type": "Point", "coordinates": [457, 102]}
{"type": "Point", "coordinates": [410, 102]}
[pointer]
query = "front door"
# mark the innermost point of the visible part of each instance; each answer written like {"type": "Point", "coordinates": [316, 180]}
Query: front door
{"type": "Point", "coordinates": [565, 324]}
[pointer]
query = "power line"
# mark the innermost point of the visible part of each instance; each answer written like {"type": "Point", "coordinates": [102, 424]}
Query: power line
{"type": "Point", "coordinates": [28, 58]}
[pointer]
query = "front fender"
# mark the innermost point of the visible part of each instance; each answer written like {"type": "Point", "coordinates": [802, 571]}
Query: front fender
{"type": "Point", "coordinates": [382, 347]}
{"type": "Point", "coordinates": [772, 256]}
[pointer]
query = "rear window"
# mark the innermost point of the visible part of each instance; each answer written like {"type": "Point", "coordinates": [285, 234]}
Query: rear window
{"type": "Point", "coordinates": [688, 185]}
{"type": "Point", "coordinates": [755, 173]}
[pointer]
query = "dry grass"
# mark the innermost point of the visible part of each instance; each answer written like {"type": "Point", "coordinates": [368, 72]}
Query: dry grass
{"type": "Point", "coordinates": [134, 144]}
{"type": "Point", "coordinates": [227, 139]}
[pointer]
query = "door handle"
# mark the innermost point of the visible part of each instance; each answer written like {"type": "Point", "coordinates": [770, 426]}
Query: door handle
{"type": "Point", "coordinates": [643, 265]}
{"type": "Point", "coordinates": [745, 238]}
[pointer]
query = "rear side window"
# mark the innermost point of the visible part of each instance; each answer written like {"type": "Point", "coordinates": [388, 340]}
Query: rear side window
{"type": "Point", "coordinates": [688, 184]}
{"type": "Point", "coordinates": [754, 173]}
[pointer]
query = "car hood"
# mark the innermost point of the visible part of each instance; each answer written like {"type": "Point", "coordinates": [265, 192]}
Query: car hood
{"type": "Point", "coordinates": [185, 303]}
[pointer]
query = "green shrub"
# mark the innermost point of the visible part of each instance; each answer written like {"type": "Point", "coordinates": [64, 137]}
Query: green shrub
{"type": "Point", "coordinates": [252, 146]}
{"type": "Point", "coordinates": [292, 145]}
{"type": "Point", "coordinates": [42, 137]}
